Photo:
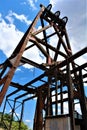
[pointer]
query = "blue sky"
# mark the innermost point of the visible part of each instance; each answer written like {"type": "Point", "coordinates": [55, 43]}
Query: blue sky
{"type": "Point", "coordinates": [15, 18]}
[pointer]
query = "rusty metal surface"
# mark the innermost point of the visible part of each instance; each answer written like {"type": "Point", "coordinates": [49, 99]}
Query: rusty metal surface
{"type": "Point", "coordinates": [58, 74]}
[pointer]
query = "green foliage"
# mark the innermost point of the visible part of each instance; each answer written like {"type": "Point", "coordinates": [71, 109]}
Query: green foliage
{"type": "Point", "coordinates": [8, 117]}
{"type": "Point", "coordinates": [15, 124]}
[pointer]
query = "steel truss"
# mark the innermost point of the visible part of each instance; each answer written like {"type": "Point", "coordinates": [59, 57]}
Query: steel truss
{"type": "Point", "coordinates": [61, 75]}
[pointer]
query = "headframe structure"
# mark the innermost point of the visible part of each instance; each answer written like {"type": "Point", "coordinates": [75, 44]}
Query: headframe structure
{"type": "Point", "coordinates": [61, 75]}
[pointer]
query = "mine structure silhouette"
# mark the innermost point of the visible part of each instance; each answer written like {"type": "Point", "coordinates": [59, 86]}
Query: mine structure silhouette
{"type": "Point", "coordinates": [61, 84]}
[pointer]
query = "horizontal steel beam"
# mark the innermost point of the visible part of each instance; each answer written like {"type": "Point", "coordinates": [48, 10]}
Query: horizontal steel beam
{"type": "Point", "coordinates": [21, 87]}
{"type": "Point", "coordinates": [40, 66]}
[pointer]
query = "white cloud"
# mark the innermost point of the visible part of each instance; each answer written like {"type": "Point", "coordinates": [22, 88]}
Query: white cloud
{"type": "Point", "coordinates": [77, 22]}
{"type": "Point", "coordinates": [10, 19]}
{"type": "Point", "coordinates": [33, 54]}
{"type": "Point", "coordinates": [77, 18]}
{"type": "Point", "coordinates": [20, 17]}
{"type": "Point", "coordinates": [10, 37]}
{"type": "Point", "coordinates": [53, 2]}
{"type": "Point", "coordinates": [18, 69]}
{"type": "Point", "coordinates": [32, 4]}
{"type": "Point", "coordinates": [28, 121]}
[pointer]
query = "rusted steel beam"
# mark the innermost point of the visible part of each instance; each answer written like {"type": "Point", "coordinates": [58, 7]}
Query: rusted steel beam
{"type": "Point", "coordinates": [18, 54]}
{"type": "Point", "coordinates": [78, 54]}
{"type": "Point", "coordinates": [25, 88]}
{"type": "Point", "coordinates": [29, 46]}
{"type": "Point", "coordinates": [56, 93]}
{"type": "Point", "coordinates": [25, 60]}
{"type": "Point", "coordinates": [50, 35]}
{"type": "Point", "coordinates": [83, 66]}
{"type": "Point", "coordinates": [2, 81]}
{"type": "Point", "coordinates": [70, 59]}
{"type": "Point", "coordinates": [26, 36]}
{"type": "Point", "coordinates": [49, 96]}
{"type": "Point", "coordinates": [40, 48]}
{"type": "Point", "coordinates": [11, 94]}
{"type": "Point", "coordinates": [83, 100]}
{"type": "Point", "coordinates": [67, 40]}
{"type": "Point", "coordinates": [48, 14]}
{"type": "Point", "coordinates": [58, 48]}
{"type": "Point", "coordinates": [67, 50]}
{"type": "Point", "coordinates": [44, 33]}
{"type": "Point", "coordinates": [76, 94]}
{"type": "Point", "coordinates": [84, 75]}
{"type": "Point", "coordinates": [2, 72]}
{"type": "Point", "coordinates": [20, 96]}
{"type": "Point", "coordinates": [41, 30]}
{"type": "Point", "coordinates": [35, 80]}
{"type": "Point", "coordinates": [5, 65]}
{"type": "Point", "coordinates": [53, 70]}
{"type": "Point", "coordinates": [70, 98]}
{"type": "Point", "coordinates": [34, 96]}
{"type": "Point", "coordinates": [38, 120]}
{"type": "Point", "coordinates": [59, 101]}
{"type": "Point", "coordinates": [1, 66]}
{"type": "Point", "coordinates": [42, 87]}
{"type": "Point", "coordinates": [50, 47]}
{"type": "Point", "coordinates": [21, 116]}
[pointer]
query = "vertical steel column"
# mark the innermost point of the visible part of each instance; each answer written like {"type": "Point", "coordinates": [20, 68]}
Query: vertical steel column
{"type": "Point", "coordinates": [71, 98]}
{"type": "Point", "coordinates": [22, 110]}
{"type": "Point", "coordinates": [38, 120]}
{"type": "Point", "coordinates": [61, 97]}
{"type": "Point", "coordinates": [67, 41]}
{"type": "Point", "coordinates": [56, 92]}
{"type": "Point", "coordinates": [83, 100]}
{"type": "Point", "coordinates": [44, 33]}
{"type": "Point", "coordinates": [49, 103]}
{"type": "Point", "coordinates": [13, 109]}
{"type": "Point", "coordinates": [2, 117]}
{"type": "Point", "coordinates": [17, 54]}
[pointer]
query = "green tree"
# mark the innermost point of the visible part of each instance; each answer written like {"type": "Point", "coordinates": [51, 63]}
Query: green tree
{"type": "Point", "coordinates": [15, 124]}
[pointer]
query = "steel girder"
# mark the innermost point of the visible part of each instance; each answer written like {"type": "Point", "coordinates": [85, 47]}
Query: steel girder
{"type": "Point", "coordinates": [61, 75]}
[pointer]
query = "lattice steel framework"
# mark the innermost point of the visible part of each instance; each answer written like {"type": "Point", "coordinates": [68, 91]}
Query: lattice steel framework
{"type": "Point", "coordinates": [61, 75]}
